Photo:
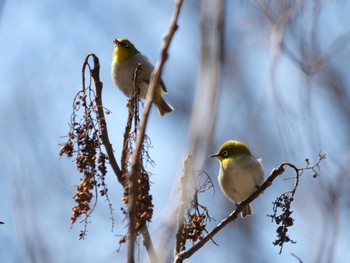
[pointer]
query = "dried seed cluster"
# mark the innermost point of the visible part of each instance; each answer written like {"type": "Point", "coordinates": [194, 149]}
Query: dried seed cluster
{"type": "Point", "coordinates": [144, 201]}
{"type": "Point", "coordinates": [197, 215]}
{"type": "Point", "coordinates": [144, 205]}
{"type": "Point", "coordinates": [193, 229]}
{"type": "Point", "coordinates": [85, 143]}
{"type": "Point", "coordinates": [283, 220]}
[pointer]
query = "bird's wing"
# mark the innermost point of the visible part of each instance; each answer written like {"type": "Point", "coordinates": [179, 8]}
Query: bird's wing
{"type": "Point", "coordinates": [162, 84]}
{"type": "Point", "coordinates": [147, 70]}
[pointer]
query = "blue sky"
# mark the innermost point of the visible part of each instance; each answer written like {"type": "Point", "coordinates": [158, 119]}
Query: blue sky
{"type": "Point", "coordinates": [42, 47]}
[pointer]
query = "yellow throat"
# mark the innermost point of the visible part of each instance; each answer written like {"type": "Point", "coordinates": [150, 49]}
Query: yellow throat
{"type": "Point", "coordinates": [123, 50]}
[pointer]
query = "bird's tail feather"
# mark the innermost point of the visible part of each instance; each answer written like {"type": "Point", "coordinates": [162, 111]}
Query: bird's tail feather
{"type": "Point", "coordinates": [163, 106]}
{"type": "Point", "coordinates": [247, 211]}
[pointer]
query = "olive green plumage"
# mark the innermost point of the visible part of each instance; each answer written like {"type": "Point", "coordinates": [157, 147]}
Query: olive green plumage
{"type": "Point", "coordinates": [125, 60]}
{"type": "Point", "coordinates": [240, 173]}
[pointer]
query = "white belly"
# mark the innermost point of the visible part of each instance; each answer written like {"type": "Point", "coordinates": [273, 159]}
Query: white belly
{"type": "Point", "coordinates": [123, 73]}
{"type": "Point", "coordinates": [238, 180]}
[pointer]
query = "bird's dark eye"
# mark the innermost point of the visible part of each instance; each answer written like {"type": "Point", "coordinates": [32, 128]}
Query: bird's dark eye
{"type": "Point", "coordinates": [125, 44]}
{"type": "Point", "coordinates": [225, 153]}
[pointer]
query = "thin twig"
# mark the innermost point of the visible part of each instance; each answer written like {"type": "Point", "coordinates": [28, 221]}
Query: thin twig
{"type": "Point", "coordinates": [95, 74]}
{"type": "Point", "coordinates": [300, 261]}
{"type": "Point", "coordinates": [126, 149]}
{"type": "Point", "coordinates": [154, 82]}
{"type": "Point", "coordinates": [132, 217]}
{"type": "Point", "coordinates": [132, 177]}
{"type": "Point", "coordinates": [147, 242]}
{"type": "Point", "coordinates": [233, 216]}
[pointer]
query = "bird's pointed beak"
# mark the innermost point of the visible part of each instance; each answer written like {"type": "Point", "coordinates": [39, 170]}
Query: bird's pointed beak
{"type": "Point", "coordinates": [116, 42]}
{"type": "Point", "coordinates": [214, 155]}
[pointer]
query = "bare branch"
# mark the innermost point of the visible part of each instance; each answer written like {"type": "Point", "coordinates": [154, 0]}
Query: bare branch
{"type": "Point", "coordinates": [132, 179]}
{"type": "Point", "coordinates": [95, 74]}
{"type": "Point", "coordinates": [233, 216]}
{"type": "Point", "coordinates": [147, 242]}
{"type": "Point", "coordinates": [154, 82]}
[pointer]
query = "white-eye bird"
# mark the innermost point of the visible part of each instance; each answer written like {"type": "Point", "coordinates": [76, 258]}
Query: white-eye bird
{"type": "Point", "coordinates": [240, 173]}
{"type": "Point", "coordinates": [125, 60]}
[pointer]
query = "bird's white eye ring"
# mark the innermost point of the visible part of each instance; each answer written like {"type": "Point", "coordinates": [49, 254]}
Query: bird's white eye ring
{"type": "Point", "coordinates": [125, 44]}
{"type": "Point", "coordinates": [225, 153]}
